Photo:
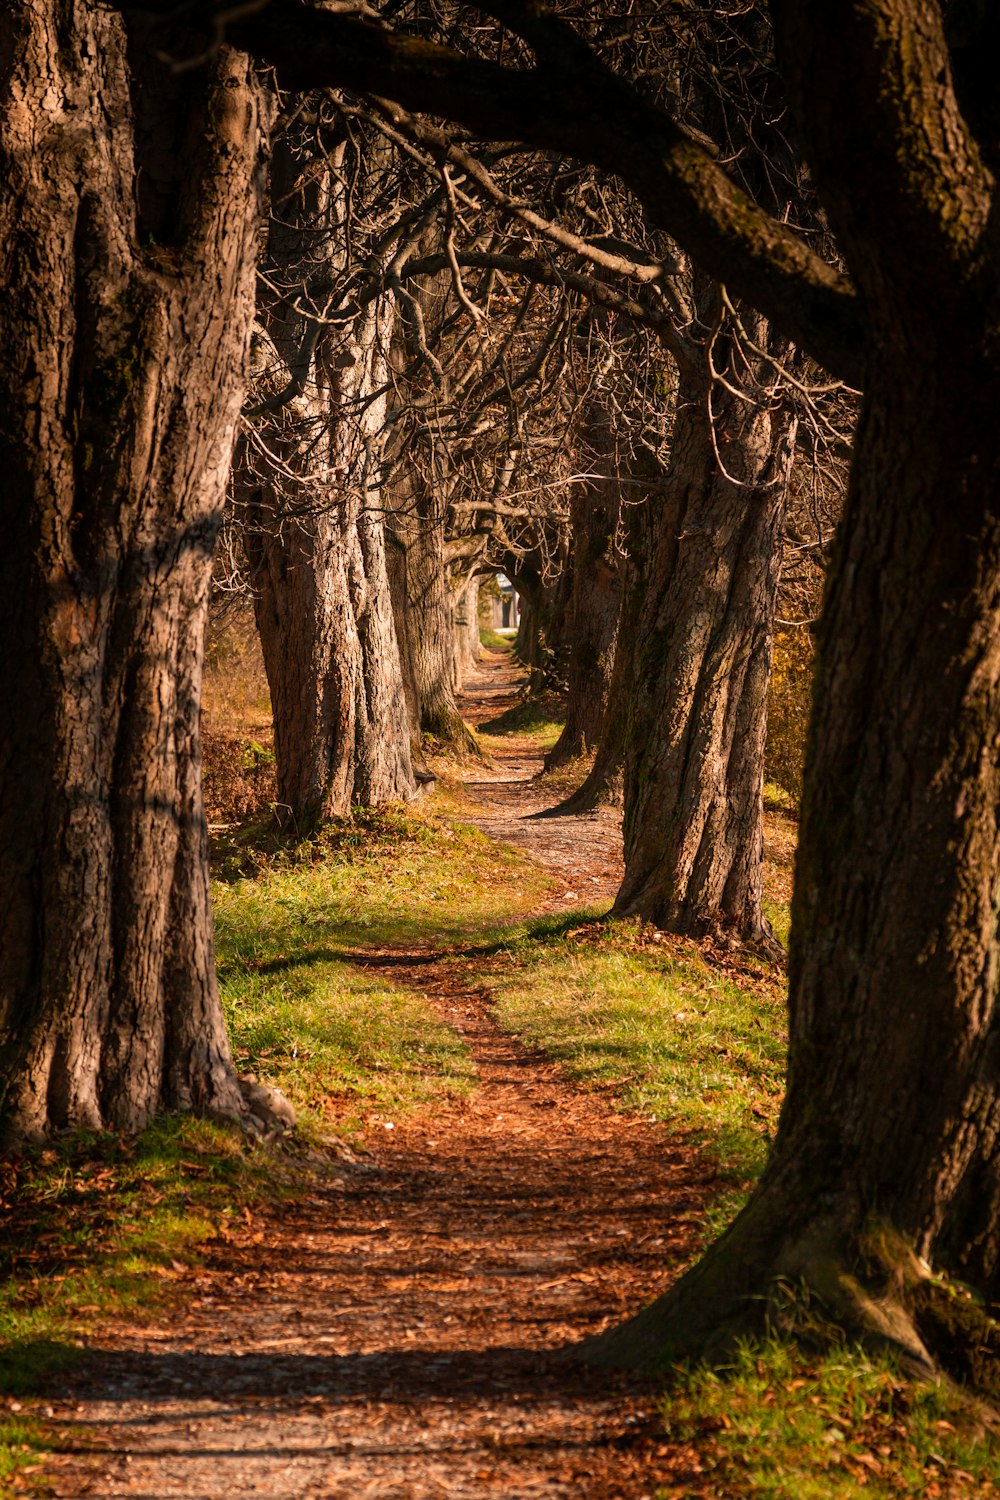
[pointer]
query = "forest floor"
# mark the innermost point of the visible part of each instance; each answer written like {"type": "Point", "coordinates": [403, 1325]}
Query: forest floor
{"type": "Point", "coordinates": [394, 1329]}
{"type": "Point", "coordinates": [393, 1334]}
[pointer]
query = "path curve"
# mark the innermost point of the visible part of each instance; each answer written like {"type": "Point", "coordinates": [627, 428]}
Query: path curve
{"type": "Point", "coordinates": [393, 1336]}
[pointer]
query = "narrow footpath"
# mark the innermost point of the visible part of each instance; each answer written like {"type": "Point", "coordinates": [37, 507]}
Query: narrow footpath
{"type": "Point", "coordinates": [395, 1335]}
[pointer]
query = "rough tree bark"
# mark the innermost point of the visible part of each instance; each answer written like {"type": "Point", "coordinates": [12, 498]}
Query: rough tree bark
{"type": "Point", "coordinates": [468, 647]}
{"type": "Point", "coordinates": [425, 616]}
{"type": "Point", "coordinates": [887, 1158]}
{"type": "Point", "coordinates": [891, 1115]}
{"type": "Point", "coordinates": [595, 600]}
{"type": "Point", "coordinates": [701, 648]}
{"type": "Point", "coordinates": [604, 785]}
{"type": "Point", "coordinates": [317, 556]}
{"type": "Point", "coordinates": [128, 215]}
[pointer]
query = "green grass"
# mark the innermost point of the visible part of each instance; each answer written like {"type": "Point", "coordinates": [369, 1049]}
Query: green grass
{"type": "Point", "coordinates": [96, 1226]}
{"type": "Point", "coordinates": [535, 718]}
{"type": "Point", "coordinates": [375, 879]}
{"type": "Point", "coordinates": [651, 1020]}
{"type": "Point", "coordinates": [302, 1013]}
{"type": "Point", "coordinates": [23, 1446]}
{"type": "Point", "coordinates": [842, 1425]}
{"type": "Point", "coordinates": [666, 1032]}
{"type": "Point", "coordinates": [779, 914]}
{"type": "Point", "coordinates": [491, 641]}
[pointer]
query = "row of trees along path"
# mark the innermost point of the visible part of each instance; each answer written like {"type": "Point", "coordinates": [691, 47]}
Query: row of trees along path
{"type": "Point", "coordinates": [396, 1334]}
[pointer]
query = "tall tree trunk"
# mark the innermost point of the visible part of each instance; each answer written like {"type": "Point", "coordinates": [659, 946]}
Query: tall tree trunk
{"type": "Point", "coordinates": [702, 661]}
{"type": "Point", "coordinates": [128, 216]}
{"type": "Point", "coordinates": [605, 784]}
{"type": "Point", "coordinates": [887, 1159]}
{"type": "Point", "coordinates": [426, 617]}
{"type": "Point", "coordinates": [468, 647]}
{"type": "Point", "coordinates": [889, 1136]}
{"type": "Point", "coordinates": [316, 548]}
{"type": "Point", "coordinates": [595, 604]}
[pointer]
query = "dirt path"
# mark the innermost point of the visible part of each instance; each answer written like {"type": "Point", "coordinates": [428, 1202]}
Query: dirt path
{"type": "Point", "coordinates": [583, 849]}
{"type": "Point", "coordinates": [392, 1337]}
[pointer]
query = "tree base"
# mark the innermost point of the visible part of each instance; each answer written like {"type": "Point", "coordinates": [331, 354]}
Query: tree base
{"type": "Point", "coordinates": [449, 729]}
{"type": "Point", "coordinates": [881, 1297]}
{"type": "Point", "coordinates": [753, 934]}
{"type": "Point", "coordinates": [590, 797]}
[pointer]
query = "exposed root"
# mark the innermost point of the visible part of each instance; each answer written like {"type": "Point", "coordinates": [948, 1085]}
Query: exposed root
{"type": "Point", "coordinates": [447, 727]}
{"type": "Point", "coordinates": [881, 1297]}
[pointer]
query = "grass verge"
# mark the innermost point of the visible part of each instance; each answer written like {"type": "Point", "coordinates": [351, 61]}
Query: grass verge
{"type": "Point", "coordinates": [302, 1012]}
{"type": "Point", "coordinates": [539, 719]}
{"type": "Point", "coordinates": [651, 1019]}
{"type": "Point", "coordinates": [96, 1226]}
{"type": "Point", "coordinates": [842, 1425]}
{"type": "Point", "coordinates": [697, 1040]}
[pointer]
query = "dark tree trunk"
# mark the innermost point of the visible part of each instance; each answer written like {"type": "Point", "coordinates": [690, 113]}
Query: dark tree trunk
{"type": "Point", "coordinates": [316, 549]}
{"type": "Point", "coordinates": [605, 785]}
{"type": "Point", "coordinates": [702, 660]}
{"type": "Point", "coordinates": [887, 1159]}
{"type": "Point", "coordinates": [888, 1145]}
{"type": "Point", "coordinates": [426, 618]}
{"type": "Point", "coordinates": [128, 216]}
{"type": "Point", "coordinates": [595, 603]}
{"type": "Point", "coordinates": [543, 629]}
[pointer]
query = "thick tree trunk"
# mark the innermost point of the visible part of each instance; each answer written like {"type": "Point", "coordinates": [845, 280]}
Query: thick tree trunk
{"type": "Point", "coordinates": [889, 1137]}
{"type": "Point", "coordinates": [128, 214]}
{"type": "Point", "coordinates": [543, 627]}
{"type": "Point", "coordinates": [316, 549]}
{"type": "Point", "coordinates": [425, 619]}
{"type": "Point", "coordinates": [605, 783]}
{"type": "Point", "coordinates": [468, 647]}
{"type": "Point", "coordinates": [702, 660]}
{"type": "Point", "coordinates": [595, 604]}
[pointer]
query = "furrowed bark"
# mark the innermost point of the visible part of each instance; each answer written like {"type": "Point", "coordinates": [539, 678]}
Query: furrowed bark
{"type": "Point", "coordinates": [693, 765]}
{"type": "Point", "coordinates": [594, 605]}
{"type": "Point", "coordinates": [315, 544]}
{"type": "Point", "coordinates": [888, 1136]}
{"type": "Point", "coordinates": [128, 212]}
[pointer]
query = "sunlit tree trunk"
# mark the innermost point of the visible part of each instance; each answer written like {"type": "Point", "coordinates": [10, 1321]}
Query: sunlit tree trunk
{"type": "Point", "coordinates": [128, 217]}
{"type": "Point", "coordinates": [694, 745]}
{"type": "Point", "coordinates": [314, 530]}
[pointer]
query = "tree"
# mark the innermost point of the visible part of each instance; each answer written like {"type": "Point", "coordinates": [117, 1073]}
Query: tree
{"type": "Point", "coordinates": [128, 215]}
{"type": "Point", "coordinates": [886, 1155]}
{"type": "Point", "coordinates": [308, 477]}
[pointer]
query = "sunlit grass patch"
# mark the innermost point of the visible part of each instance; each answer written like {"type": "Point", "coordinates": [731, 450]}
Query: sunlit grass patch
{"type": "Point", "coordinates": [783, 1425]}
{"type": "Point", "coordinates": [96, 1225]}
{"type": "Point", "coordinates": [337, 1041]}
{"type": "Point", "coordinates": [23, 1445]}
{"type": "Point", "coordinates": [386, 877]}
{"type": "Point", "coordinates": [303, 1013]}
{"type": "Point", "coordinates": [491, 640]}
{"type": "Point", "coordinates": [539, 718]}
{"type": "Point", "coordinates": [649, 1018]}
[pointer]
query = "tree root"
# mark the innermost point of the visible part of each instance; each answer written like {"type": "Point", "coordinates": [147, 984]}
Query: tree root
{"type": "Point", "coordinates": [881, 1297]}
{"type": "Point", "coordinates": [447, 726]}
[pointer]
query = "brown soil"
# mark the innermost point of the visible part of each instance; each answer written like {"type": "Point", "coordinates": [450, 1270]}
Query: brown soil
{"type": "Point", "coordinates": [398, 1334]}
